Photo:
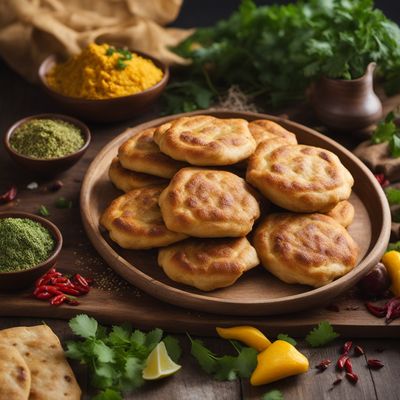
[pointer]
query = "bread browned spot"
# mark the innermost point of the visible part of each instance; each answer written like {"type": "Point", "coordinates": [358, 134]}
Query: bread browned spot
{"type": "Point", "coordinates": [311, 249]}
{"type": "Point", "coordinates": [208, 203]}
{"type": "Point", "coordinates": [299, 178]}
{"type": "Point", "coordinates": [141, 154]}
{"type": "Point", "coordinates": [264, 129]}
{"type": "Point", "coordinates": [134, 220]}
{"type": "Point", "coordinates": [208, 264]}
{"type": "Point", "coordinates": [206, 141]}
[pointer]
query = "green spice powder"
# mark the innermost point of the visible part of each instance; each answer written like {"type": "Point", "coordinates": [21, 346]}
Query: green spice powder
{"type": "Point", "coordinates": [23, 244]}
{"type": "Point", "coordinates": [46, 139]}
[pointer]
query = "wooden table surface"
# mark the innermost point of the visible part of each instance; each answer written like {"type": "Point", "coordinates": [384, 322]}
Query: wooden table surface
{"type": "Point", "coordinates": [19, 99]}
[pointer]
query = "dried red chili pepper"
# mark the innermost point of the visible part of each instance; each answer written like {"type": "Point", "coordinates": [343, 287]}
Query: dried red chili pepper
{"type": "Point", "coordinates": [375, 364]}
{"type": "Point", "coordinates": [46, 288]}
{"type": "Point", "coordinates": [352, 377]}
{"type": "Point", "coordinates": [338, 380]}
{"type": "Point", "coordinates": [341, 361]}
{"type": "Point", "coordinates": [376, 310]}
{"type": "Point", "coordinates": [348, 366]}
{"type": "Point", "coordinates": [393, 309]}
{"type": "Point", "coordinates": [68, 290]}
{"type": "Point", "coordinates": [347, 347]}
{"type": "Point", "coordinates": [8, 196]}
{"type": "Point", "coordinates": [323, 365]}
{"type": "Point", "coordinates": [44, 295]}
{"type": "Point", "coordinates": [81, 280]}
{"type": "Point", "coordinates": [72, 302]}
{"type": "Point", "coordinates": [58, 300]}
{"type": "Point", "coordinates": [358, 351]}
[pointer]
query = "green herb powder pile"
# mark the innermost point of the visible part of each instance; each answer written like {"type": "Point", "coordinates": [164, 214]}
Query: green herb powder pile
{"type": "Point", "coordinates": [46, 139]}
{"type": "Point", "coordinates": [23, 244]}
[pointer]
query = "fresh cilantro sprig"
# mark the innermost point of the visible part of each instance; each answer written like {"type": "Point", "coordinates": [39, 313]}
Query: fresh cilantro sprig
{"type": "Point", "coordinates": [117, 357]}
{"type": "Point", "coordinates": [273, 395]}
{"type": "Point", "coordinates": [393, 246]}
{"type": "Point", "coordinates": [286, 338]}
{"type": "Point", "coordinates": [321, 335]}
{"type": "Point", "coordinates": [225, 368]}
{"type": "Point", "coordinates": [388, 131]}
{"type": "Point", "coordinates": [393, 195]}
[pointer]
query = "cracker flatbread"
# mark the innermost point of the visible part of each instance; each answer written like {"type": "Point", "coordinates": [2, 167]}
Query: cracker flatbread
{"type": "Point", "coordinates": [15, 377]}
{"type": "Point", "coordinates": [51, 376]}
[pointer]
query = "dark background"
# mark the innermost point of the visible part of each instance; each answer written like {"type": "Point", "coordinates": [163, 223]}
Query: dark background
{"type": "Point", "coordinates": [207, 12]}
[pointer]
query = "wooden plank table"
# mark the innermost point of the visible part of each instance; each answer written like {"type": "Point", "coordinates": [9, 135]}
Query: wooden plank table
{"type": "Point", "coordinates": [19, 99]}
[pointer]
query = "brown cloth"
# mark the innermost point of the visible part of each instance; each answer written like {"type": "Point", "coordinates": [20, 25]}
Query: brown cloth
{"type": "Point", "coordinates": [30, 30]}
{"type": "Point", "coordinates": [378, 159]}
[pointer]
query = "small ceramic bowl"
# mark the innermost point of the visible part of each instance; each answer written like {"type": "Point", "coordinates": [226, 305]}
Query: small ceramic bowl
{"type": "Point", "coordinates": [106, 110]}
{"type": "Point", "coordinates": [50, 166]}
{"type": "Point", "coordinates": [10, 281]}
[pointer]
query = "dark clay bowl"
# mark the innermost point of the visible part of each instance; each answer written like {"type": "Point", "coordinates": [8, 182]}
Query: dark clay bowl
{"type": "Point", "coordinates": [106, 110]}
{"type": "Point", "coordinates": [10, 281]}
{"type": "Point", "coordinates": [54, 165]}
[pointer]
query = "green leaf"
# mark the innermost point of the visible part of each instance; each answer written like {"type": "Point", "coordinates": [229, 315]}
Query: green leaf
{"type": "Point", "coordinates": [75, 350]}
{"type": "Point", "coordinates": [321, 335]}
{"type": "Point", "coordinates": [385, 130]}
{"type": "Point", "coordinates": [153, 338]}
{"type": "Point", "coordinates": [173, 348]}
{"type": "Point", "coordinates": [62, 202]}
{"type": "Point", "coordinates": [286, 338]}
{"type": "Point", "coordinates": [43, 211]}
{"type": "Point", "coordinates": [84, 326]}
{"type": "Point", "coordinates": [119, 335]}
{"type": "Point", "coordinates": [393, 246]}
{"type": "Point", "coordinates": [133, 374]}
{"type": "Point", "coordinates": [393, 195]}
{"type": "Point", "coordinates": [204, 356]}
{"type": "Point", "coordinates": [273, 395]}
{"type": "Point", "coordinates": [108, 394]}
{"type": "Point", "coordinates": [394, 146]}
{"type": "Point", "coordinates": [226, 369]}
{"type": "Point", "coordinates": [103, 353]}
{"type": "Point", "coordinates": [246, 362]}
{"type": "Point", "coordinates": [138, 337]}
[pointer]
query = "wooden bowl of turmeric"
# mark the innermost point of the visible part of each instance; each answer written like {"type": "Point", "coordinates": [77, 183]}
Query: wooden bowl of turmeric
{"type": "Point", "coordinates": [104, 83]}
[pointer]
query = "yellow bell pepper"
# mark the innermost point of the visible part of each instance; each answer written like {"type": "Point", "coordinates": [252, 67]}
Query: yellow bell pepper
{"type": "Point", "coordinates": [278, 361]}
{"type": "Point", "coordinates": [249, 335]}
{"type": "Point", "coordinates": [391, 260]}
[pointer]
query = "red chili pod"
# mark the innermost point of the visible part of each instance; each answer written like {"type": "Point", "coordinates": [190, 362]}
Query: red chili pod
{"type": "Point", "coordinates": [81, 280]}
{"type": "Point", "coordinates": [341, 361]}
{"type": "Point", "coordinates": [8, 196]}
{"type": "Point", "coordinates": [352, 377]}
{"type": "Point", "coordinates": [358, 351]}
{"type": "Point", "coordinates": [376, 310]}
{"type": "Point", "coordinates": [347, 347]}
{"type": "Point", "coordinates": [375, 364]}
{"type": "Point", "coordinates": [323, 365]}
{"type": "Point", "coordinates": [58, 300]}
{"type": "Point", "coordinates": [44, 295]}
{"type": "Point", "coordinates": [348, 366]}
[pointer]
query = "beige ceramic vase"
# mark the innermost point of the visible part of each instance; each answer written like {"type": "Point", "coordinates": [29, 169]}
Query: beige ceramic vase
{"type": "Point", "coordinates": [347, 105]}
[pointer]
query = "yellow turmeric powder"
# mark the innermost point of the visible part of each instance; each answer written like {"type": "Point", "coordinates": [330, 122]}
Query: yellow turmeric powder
{"type": "Point", "coordinates": [103, 72]}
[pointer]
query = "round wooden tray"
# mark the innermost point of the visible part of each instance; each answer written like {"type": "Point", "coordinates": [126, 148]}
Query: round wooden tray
{"type": "Point", "coordinates": [257, 292]}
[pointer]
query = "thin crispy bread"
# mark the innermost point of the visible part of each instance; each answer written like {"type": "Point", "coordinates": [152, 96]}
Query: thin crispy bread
{"type": "Point", "coordinates": [51, 376]}
{"type": "Point", "coordinates": [206, 141]}
{"type": "Point", "coordinates": [311, 249]}
{"type": "Point", "coordinates": [141, 154]}
{"type": "Point", "coordinates": [343, 213]}
{"type": "Point", "coordinates": [209, 203]}
{"type": "Point", "coordinates": [299, 178]}
{"type": "Point", "coordinates": [134, 220]}
{"type": "Point", "coordinates": [127, 180]}
{"type": "Point", "coordinates": [208, 264]}
{"type": "Point", "coordinates": [15, 377]}
{"type": "Point", "coordinates": [264, 129]}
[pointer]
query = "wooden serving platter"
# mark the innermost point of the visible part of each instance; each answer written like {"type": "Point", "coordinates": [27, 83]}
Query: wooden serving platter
{"type": "Point", "coordinates": [257, 292]}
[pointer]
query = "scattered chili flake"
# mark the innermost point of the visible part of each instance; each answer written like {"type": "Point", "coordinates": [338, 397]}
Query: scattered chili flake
{"type": "Point", "coordinates": [341, 361]}
{"type": "Point", "coordinates": [375, 364]}
{"type": "Point", "coordinates": [347, 347]}
{"type": "Point", "coordinates": [358, 351]}
{"type": "Point", "coordinates": [352, 377]}
{"type": "Point", "coordinates": [323, 365]}
{"type": "Point", "coordinates": [338, 380]}
{"type": "Point", "coordinates": [391, 310]}
{"type": "Point", "coordinates": [8, 196]}
{"type": "Point", "coordinates": [55, 186]}
{"type": "Point", "coordinates": [382, 180]}
{"type": "Point", "coordinates": [348, 366]}
{"type": "Point", "coordinates": [60, 289]}
{"type": "Point", "coordinates": [43, 211]}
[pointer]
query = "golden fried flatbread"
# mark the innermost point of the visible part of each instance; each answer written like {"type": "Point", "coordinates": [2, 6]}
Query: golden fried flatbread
{"type": "Point", "coordinates": [51, 376]}
{"type": "Point", "coordinates": [206, 141]}
{"type": "Point", "coordinates": [299, 178]}
{"type": "Point", "coordinates": [264, 129]}
{"type": "Point", "coordinates": [15, 377]}
{"type": "Point", "coordinates": [209, 203]}
{"type": "Point", "coordinates": [141, 154]}
{"type": "Point", "coordinates": [134, 220]}
{"type": "Point", "coordinates": [343, 213]}
{"type": "Point", "coordinates": [127, 180]}
{"type": "Point", "coordinates": [311, 249]}
{"type": "Point", "coordinates": [208, 264]}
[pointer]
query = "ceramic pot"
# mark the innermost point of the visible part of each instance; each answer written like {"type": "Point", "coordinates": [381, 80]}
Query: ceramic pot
{"type": "Point", "coordinates": [347, 105]}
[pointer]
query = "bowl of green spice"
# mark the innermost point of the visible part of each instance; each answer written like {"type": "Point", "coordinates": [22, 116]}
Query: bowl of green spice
{"type": "Point", "coordinates": [29, 246]}
{"type": "Point", "coordinates": [47, 143]}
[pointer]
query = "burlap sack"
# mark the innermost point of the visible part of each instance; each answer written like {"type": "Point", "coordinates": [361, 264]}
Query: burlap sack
{"type": "Point", "coordinates": [30, 30]}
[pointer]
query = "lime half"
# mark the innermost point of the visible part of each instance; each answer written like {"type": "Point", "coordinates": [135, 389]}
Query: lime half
{"type": "Point", "coordinates": [159, 364]}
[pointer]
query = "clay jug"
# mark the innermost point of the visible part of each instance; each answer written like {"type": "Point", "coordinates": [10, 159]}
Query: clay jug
{"type": "Point", "coordinates": [347, 105]}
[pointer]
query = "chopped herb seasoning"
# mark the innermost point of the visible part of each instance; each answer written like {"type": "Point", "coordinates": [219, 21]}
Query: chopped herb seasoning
{"type": "Point", "coordinates": [23, 244]}
{"type": "Point", "coordinates": [62, 202]}
{"type": "Point", "coordinates": [44, 211]}
{"type": "Point", "coordinates": [46, 139]}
